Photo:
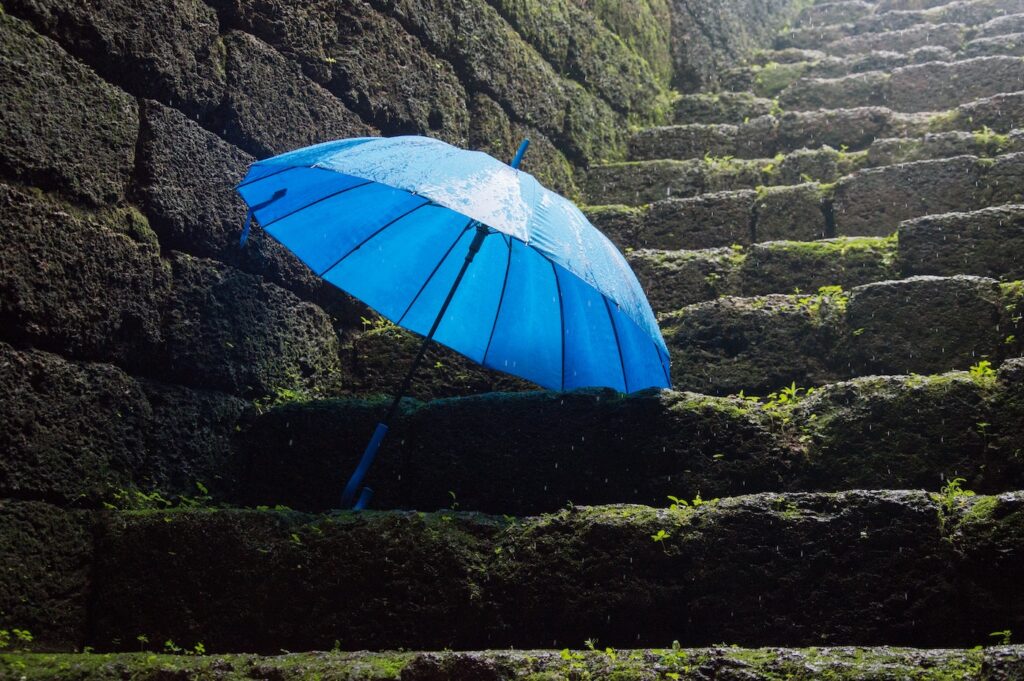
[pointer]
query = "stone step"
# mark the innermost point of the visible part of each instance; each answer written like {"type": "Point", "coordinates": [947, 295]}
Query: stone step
{"type": "Point", "coordinates": [922, 324]}
{"type": "Point", "coordinates": [888, 137]}
{"type": "Point", "coordinates": [720, 107]}
{"type": "Point", "coordinates": [175, 447]}
{"type": "Point", "coordinates": [988, 243]}
{"type": "Point", "coordinates": [983, 16]}
{"type": "Point", "coordinates": [919, 87]}
{"type": "Point", "coordinates": [975, 179]}
{"type": "Point", "coordinates": [892, 567]}
{"type": "Point", "coordinates": [688, 664]}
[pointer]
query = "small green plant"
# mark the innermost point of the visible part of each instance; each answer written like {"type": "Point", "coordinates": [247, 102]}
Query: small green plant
{"type": "Point", "coordinates": [982, 371]}
{"type": "Point", "coordinates": [143, 640]}
{"type": "Point", "coordinates": [952, 494]}
{"type": "Point", "coordinates": [455, 502]}
{"type": "Point", "coordinates": [660, 536]}
{"type": "Point", "coordinates": [16, 639]}
{"type": "Point", "coordinates": [1004, 636]}
{"type": "Point", "coordinates": [171, 648]}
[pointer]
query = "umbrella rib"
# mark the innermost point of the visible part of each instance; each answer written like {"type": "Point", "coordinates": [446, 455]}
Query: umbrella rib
{"type": "Point", "coordinates": [263, 177]}
{"type": "Point", "coordinates": [561, 316]}
{"type": "Point", "coordinates": [313, 203]}
{"type": "Point", "coordinates": [367, 239]}
{"type": "Point", "coordinates": [501, 300]}
{"type": "Point", "coordinates": [434, 271]}
{"type": "Point", "coordinates": [618, 343]}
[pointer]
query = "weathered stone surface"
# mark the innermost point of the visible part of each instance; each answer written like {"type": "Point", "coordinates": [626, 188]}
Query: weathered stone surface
{"type": "Point", "coordinates": [543, 450]}
{"type": "Point", "coordinates": [674, 279]}
{"type": "Point", "coordinates": [168, 51]}
{"type": "Point", "coordinates": [923, 324]}
{"type": "Point", "coordinates": [705, 221]}
{"type": "Point", "coordinates": [621, 224]}
{"type": "Point", "coordinates": [904, 432]}
{"type": "Point", "coordinates": [873, 202]}
{"type": "Point", "coordinates": [942, 85]}
{"type": "Point", "coordinates": [942, 144]}
{"type": "Point", "coordinates": [228, 330]}
{"type": "Point", "coordinates": [862, 89]}
{"type": "Point", "coordinates": [491, 131]}
{"type": "Point", "coordinates": [796, 212]}
{"type": "Point", "coordinates": [576, 43]}
{"type": "Point", "coordinates": [752, 344]}
{"type": "Point", "coordinates": [706, 38]}
{"type": "Point", "coordinates": [1004, 178]}
{"type": "Point", "coordinates": [82, 283]}
{"type": "Point", "coordinates": [499, 63]}
{"type": "Point", "coordinates": [1006, 45]}
{"type": "Point", "coordinates": [811, 37]}
{"type": "Point", "coordinates": [683, 142]}
{"type": "Point", "coordinates": [988, 243]}
{"type": "Point", "coordinates": [724, 107]}
{"type": "Point", "coordinates": [1010, 23]}
{"type": "Point", "coordinates": [639, 182]}
{"type": "Point", "coordinates": [786, 266]}
{"type": "Point", "coordinates": [644, 25]}
{"type": "Point", "coordinates": [1002, 663]}
{"type": "Point", "coordinates": [834, 13]}
{"type": "Point", "coordinates": [1002, 112]}
{"type": "Point", "coordinates": [78, 433]}
{"type": "Point", "coordinates": [950, 36]}
{"type": "Point", "coordinates": [364, 57]}
{"type": "Point", "coordinates": [447, 584]}
{"type": "Point", "coordinates": [61, 127]}
{"type": "Point", "coordinates": [186, 179]}
{"type": "Point", "coordinates": [46, 553]}
{"type": "Point", "coordinates": [271, 106]}
{"type": "Point", "coordinates": [852, 128]}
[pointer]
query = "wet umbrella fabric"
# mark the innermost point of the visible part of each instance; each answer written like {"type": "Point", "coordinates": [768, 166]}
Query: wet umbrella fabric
{"type": "Point", "coordinates": [458, 246]}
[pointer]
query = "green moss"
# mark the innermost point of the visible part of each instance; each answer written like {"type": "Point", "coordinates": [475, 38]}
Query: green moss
{"type": "Point", "coordinates": [981, 509]}
{"type": "Point", "coordinates": [945, 121]}
{"type": "Point", "coordinates": [772, 78]}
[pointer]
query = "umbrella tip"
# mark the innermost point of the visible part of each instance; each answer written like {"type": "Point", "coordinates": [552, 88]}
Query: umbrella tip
{"type": "Point", "coordinates": [520, 153]}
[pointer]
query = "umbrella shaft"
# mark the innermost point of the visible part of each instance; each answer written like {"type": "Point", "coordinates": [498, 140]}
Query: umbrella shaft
{"type": "Point", "coordinates": [474, 248]}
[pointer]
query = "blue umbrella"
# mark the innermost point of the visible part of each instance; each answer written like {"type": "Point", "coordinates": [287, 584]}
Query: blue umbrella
{"type": "Point", "coordinates": [468, 252]}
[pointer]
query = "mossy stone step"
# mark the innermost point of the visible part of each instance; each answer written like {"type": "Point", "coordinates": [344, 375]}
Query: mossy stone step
{"type": "Point", "coordinates": [720, 107]}
{"type": "Point", "coordinates": [900, 567]}
{"type": "Point", "coordinates": [920, 87]}
{"type": "Point", "coordinates": [683, 664]}
{"type": "Point", "coordinates": [921, 324]}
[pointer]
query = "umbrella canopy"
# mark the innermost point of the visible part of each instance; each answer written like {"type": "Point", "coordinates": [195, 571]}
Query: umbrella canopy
{"type": "Point", "coordinates": [391, 220]}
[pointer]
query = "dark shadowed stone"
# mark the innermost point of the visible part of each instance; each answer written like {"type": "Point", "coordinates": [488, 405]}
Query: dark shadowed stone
{"type": "Point", "coordinates": [988, 243]}
{"type": "Point", "coordinates": [753, 344]}
{"type": "Point", "coordinates": [231, 331]}
{"type": "Point", "coordinates": [47, 554]}
{"type": "Point", "coordinates": [923, 324]}
{"type": "Point", "coordinates": [683, 142]}
{"type": "Point", "coordinates": [379, 359]}
{"type": "Point", "coordinates": [365, 58]}
{"type": "Point", "coordinates": [271, 106]}
{"type": "Point", "coordinates": [724, 107]}
{"type": "Point", "coordinates": [623, 225]}
{"type": "Point", "coordinates": [674, 279]}
{"type": "Point", "coordinates": [472, 578]}
{"type": "Point", "coordinates": [905, 432]}
{"type": "Point", "coordinates": [942, 85]}
{"type": "Point", "coordinates": [705, 221]}
{"type": "Point", "coordinates": [187, 179]}
{"type": "Point", "coordinates": [862, 89]}
{"type": "Point", "coordinates": [542, 450]}
{"type": "Point", "coordinates": [852, 128]}
{"type": "Point", "coordinates": [77, 433]}
{"type": "Point", "coordinates": [834, 13]}
{"type": "Point", "coordinates": [786, 266]}
{"type": "Point", "coordinates": [61, 127]}
{"type": "Point", "coordinates": [790, 213]}
{"type": "Point", "coordinates": [873, 202]}
{"type": "Point", "coordinates": [168, 51]}
{"type": "Point", "coordinates": [82, 283]}
{"type": "Point", "coordinates": [811, 37]}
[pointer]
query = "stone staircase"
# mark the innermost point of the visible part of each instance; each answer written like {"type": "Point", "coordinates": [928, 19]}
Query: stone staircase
{"type": "Point", "coordinates": [835, 250]}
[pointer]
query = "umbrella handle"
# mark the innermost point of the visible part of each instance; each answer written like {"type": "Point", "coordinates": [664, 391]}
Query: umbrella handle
{"type": "Point", "coordinates": [364, 465]}
{"type": "Point", "coordinates": [520, 153]}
